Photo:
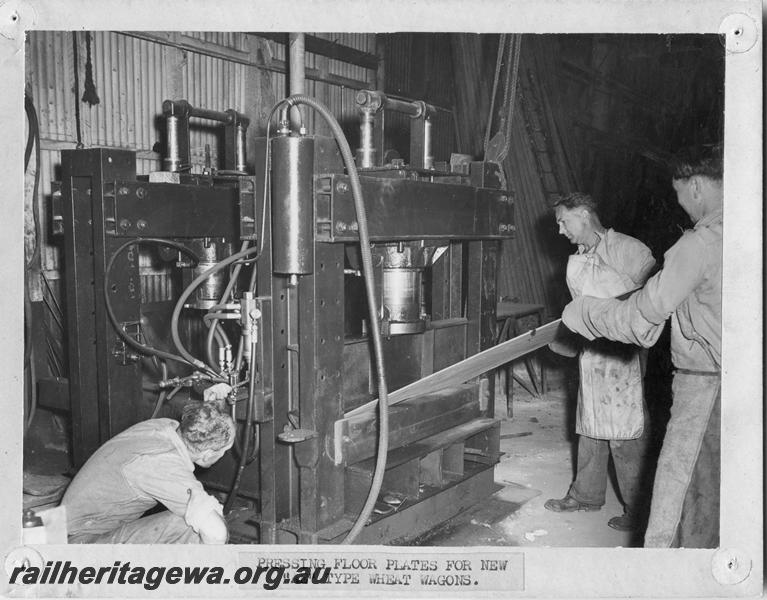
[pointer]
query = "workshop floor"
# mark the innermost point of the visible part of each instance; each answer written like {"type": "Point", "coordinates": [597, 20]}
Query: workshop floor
{"type": "Point", "coordinates": [539, 444]}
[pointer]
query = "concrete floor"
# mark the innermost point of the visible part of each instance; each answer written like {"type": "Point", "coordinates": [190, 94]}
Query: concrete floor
{"type": "Point", "coordinates": [538, 443]}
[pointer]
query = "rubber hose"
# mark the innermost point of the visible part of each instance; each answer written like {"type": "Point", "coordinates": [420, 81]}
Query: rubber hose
{"type": "Point", "coordinates": [188, 292]}
{"type": "Point", "coordinates": [29, 359]}
{"type": "Point", "coordinates": [163, 393]}
{"type": "Point", "coordinates": [248, 428]}
{"type": "Point", "coordinates": [141, 348]}
{"type": "Point", "coordinates": [214, 332]}
{"type": "Point", "coordinates": [27, 323]}
{"type": "Point", "coordinates": [32, 392]}
{"type": "Point", "coordinates": [213, 326]}
{"type": "Point", "coordinates": [34, 132]}
{"type": "Point", "coordinates": [30, 135]}
{"type": "Point", "coordinates": [252, 285]}
{"type": "Point", "coordinates": [367, 269]}
{"type": "Point", "coordinates": [251, 375]}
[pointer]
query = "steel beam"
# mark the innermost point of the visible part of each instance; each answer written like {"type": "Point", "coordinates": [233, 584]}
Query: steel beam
{"type": "Point", "coordinates": [406, 209]}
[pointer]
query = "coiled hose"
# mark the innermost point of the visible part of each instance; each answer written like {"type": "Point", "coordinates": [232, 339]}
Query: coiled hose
{"type": "Point", "coordinates": [139, 347]}
{"type": "Point", "coordinates": [213, 325]}
{"type": "Point", "coordinates": [367, 269]}
{"type": "Point", "coordinates": [250, 428]}
{"type": "Point", "coordinates": [188, 292]}
{"type": "Point", "coordinates": [33, 140]}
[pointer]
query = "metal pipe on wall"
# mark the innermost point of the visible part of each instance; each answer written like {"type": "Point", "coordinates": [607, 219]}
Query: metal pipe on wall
{"type": "Point", "coordinates": [297, 61]}
{"type": "Point", "coordinates": [428, 156]}
{"type": "Point", "coordinates": [366, 154]}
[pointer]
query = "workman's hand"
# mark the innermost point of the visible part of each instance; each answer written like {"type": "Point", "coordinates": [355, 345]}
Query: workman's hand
{"type": "Point", "coordinates": [574, 317]}
{"type": "Point", "coordinates": [216, 392]}
{"type": "Point", "coordinates": [566, 343]}
{"type": "Point", "coordinates": [205, 515]}
{"type": "Point", "coordinates": [564, 348]}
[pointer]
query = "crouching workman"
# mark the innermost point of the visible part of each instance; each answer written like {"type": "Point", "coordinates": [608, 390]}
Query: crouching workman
{"type": "Point", "coordinates": [149, 463]}
{"type": "Point", "coordinates": [685, 498]}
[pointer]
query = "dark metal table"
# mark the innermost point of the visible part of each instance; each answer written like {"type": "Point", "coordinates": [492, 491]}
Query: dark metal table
{"type": "Point", "coordinates": [509, 313]}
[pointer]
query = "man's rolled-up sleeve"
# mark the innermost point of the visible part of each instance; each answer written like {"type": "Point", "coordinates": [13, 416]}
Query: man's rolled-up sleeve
{"type": "Point", "coordinates": [618, 320]}
{"type": "Point", "coordinates": [639, 319]}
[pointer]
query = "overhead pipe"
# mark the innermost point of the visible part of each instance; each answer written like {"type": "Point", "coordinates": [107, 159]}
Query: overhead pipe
{"type": "Point", "coordinates": [177, 114]}
{"type": "Point", "coordinates": [371, 104]}
{"type": "Point", "coordinates": [377, 100]}
{"type": "Point", "coordinates": [297, 82]}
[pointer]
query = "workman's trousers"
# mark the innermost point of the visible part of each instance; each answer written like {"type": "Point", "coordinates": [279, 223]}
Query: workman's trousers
{"type": "Point", "coordinates": [160, 528]}
{"type": "Point", "coordinates": [685, 501]}
{"type": "Point", "coordinates": [629, 457]}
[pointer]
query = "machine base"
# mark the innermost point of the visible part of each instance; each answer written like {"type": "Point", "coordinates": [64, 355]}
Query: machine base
{"type": "Point", "coordinates": [413, 521]}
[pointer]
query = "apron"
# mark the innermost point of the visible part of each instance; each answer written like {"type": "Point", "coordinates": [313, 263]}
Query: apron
{"type": "Point", "coordinates": [610, 398]}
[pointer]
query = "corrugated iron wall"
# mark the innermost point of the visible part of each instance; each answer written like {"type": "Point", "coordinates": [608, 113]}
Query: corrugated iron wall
{"type": "Point", "coordinates": [131, 81]}
{"type": "Point", "coordinates": [49, 80]}
{"type": "Point", "coordinates": [531, 266]}
{"type": "Point", "coordinates": [50, 77]}
{"type": "Point", "coordinates": [534, 263]}
{"type": "Point", "coordinates": [418, 66]}
{"type": "Point", "coordinates": [133, 74]}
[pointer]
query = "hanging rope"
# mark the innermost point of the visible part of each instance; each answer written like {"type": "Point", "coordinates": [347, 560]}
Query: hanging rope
{"type": "Point", "coordinates": [508, 54]}
{"type": "Point", "coordinates": [496, 79]}
{"type": "Point", "coordinates": [76, 60]}
{"type": "Point", "coordinates": [89, 94]}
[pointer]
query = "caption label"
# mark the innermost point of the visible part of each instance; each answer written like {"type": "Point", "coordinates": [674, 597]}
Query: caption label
{"type": "Point", "coordinates": [480, 571]}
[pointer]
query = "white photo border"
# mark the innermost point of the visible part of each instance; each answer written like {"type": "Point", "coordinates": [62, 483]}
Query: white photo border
{"type": "Point", "coordinates": [547, 572]}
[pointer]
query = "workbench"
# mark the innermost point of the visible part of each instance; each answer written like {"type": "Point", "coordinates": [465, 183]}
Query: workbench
{"type": "Point", "coordinates": [509, 313]}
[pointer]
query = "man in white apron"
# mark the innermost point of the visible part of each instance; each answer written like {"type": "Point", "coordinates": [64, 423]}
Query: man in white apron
{"type": "Point", "coordinates": [611, 410]}
{"type": "Point", "coordinates": [685, 499]}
